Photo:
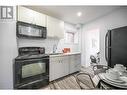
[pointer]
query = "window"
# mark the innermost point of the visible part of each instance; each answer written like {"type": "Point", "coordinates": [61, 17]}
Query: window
{"type": "Point", "coordinates": [71, 37]}
{"type": "Point", "coordinates": [71, 34]}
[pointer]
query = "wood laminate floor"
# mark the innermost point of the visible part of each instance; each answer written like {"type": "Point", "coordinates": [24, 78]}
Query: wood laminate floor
{"type": "Point", "coordinates": [67, 82]}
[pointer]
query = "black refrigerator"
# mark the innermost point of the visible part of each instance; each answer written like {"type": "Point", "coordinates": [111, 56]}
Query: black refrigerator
{"type": "Point", "coordinates": [116, 46]}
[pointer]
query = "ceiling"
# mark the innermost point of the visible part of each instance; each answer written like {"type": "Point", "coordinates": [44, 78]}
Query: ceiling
{"type": "Point", "coordinates": [68, 13]}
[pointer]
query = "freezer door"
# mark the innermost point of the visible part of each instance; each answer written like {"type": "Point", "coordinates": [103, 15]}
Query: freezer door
{"type": "Point", "coordinates": [118, 46]}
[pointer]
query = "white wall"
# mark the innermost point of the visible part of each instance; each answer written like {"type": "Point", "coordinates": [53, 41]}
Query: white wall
{"type": "Point", "coordinates": [47, 43]}
{"type": "Point", "coordinates": [116, 18]}
{"type": "Point", "coordinates": [8, 51]}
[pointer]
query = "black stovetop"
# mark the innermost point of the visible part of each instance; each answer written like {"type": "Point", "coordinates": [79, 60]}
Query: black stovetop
{"type": "Point", "coordinates": [32, 56]}
{"type": "Point", "coordinates": [31, 53]}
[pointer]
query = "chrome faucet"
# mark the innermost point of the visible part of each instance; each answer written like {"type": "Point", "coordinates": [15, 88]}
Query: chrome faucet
{"type": "Point", "coordinates": [54, 48]}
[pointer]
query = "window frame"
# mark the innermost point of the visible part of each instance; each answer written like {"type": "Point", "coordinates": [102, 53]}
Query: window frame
{"type": "Point", "coordinates": [67, 39]}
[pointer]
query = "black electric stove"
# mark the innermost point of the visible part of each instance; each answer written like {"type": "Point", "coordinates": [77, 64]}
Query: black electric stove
{"type": "Point", "coordinates": [31, 68]}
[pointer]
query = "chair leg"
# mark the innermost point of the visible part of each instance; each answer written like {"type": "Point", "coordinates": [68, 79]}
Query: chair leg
{"type": "Point", "coordinates": [78, 82]}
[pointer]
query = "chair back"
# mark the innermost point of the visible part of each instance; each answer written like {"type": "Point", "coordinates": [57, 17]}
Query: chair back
{"type": "Point", "coordinates": [100, 69]}
{"type": "Point", "coordinates": [85, 81]}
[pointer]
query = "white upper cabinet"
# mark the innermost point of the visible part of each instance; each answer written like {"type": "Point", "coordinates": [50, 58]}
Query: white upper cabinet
{"type": "Point", "coordinates": [30, 16]}
{"type": "Point", "coordinates": [55, 27]}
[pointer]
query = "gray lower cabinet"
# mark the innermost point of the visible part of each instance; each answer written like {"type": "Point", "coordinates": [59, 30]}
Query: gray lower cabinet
{"type": "Point", "coordinates": [66, 65]}
{"type": "Point", "coordinates": [74, 63]}
{"type": "Point", "coordinates": [63, 65]}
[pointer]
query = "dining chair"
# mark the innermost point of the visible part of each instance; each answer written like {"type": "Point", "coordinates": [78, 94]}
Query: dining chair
{"type": "Point", "coordinates": [84, 80]}
{"type": "Point", "coordinates": [100, 69]}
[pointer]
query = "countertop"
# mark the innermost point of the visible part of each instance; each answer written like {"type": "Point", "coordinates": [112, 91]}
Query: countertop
{"type": "Point", "coordinates": [63, 54]}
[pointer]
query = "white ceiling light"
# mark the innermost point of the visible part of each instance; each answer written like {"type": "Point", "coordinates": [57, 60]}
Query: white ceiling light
{"type": "Point", "coordinates": [79, 14]}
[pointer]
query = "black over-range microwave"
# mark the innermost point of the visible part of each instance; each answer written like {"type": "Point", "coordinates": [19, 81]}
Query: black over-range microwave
{"type": "Point", "coordinates": [31, 30]}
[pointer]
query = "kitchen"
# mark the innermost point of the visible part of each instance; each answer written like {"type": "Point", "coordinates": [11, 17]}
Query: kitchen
{"type": "Point", "coordinates": [68, 50]}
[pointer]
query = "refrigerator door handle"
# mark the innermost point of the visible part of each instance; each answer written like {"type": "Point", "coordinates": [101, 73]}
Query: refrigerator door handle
{"type": "Point", "coordinates": [106, 47]}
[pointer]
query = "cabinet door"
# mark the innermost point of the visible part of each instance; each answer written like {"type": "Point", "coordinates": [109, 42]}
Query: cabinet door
{"type": "Point", "coordinates": [60, 29]}
{"type": "Point", "coordinates": [75, 63]}
{"type": "Point", "coordinates": [55, 27]}
{"type": "Point", "coordinates": [56, 68]}
{"type": "Point", "coordinates": [25, 15]}
{"type": "Point", "coordinates": [50, 26]}
{"type": "Point", "coordinates": [30, 16]}
{"type": "Point", "coordinates": [65, 62]}
{"type": "Point", "coordinates": [40, 19]}
{"type": "Point", "coordinates": [72, 64]}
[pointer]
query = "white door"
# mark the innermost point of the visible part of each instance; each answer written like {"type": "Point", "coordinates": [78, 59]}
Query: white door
{"type": "Point", "coordinates": [91, 45]}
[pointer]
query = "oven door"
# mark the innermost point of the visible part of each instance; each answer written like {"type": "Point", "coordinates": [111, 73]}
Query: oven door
{"type": "Point", "coordinates": [31, 70]}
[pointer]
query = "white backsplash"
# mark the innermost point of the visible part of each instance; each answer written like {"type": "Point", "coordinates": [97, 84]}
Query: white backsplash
{"type": "Point", "coordinates": [48, 44]}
